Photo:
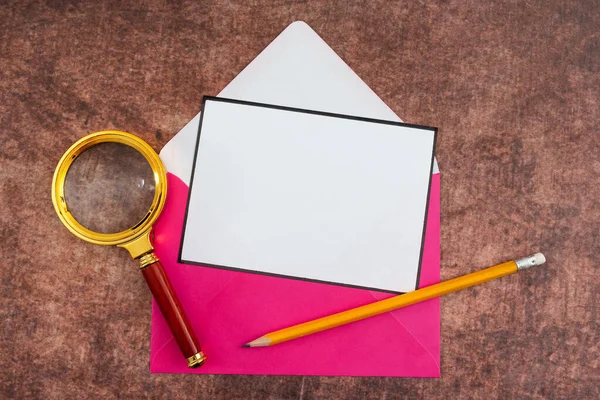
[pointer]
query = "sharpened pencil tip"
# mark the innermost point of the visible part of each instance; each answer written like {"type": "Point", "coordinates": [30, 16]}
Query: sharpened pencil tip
{"type": "Point", "coordinates": [246, 345]}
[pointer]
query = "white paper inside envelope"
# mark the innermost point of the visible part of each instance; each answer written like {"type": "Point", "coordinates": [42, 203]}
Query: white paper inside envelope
{"type": "Point", "coordinates": [309, 195]}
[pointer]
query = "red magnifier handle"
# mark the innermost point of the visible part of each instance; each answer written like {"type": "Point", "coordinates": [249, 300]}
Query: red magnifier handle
{"type": "Point", "coordinates": [169, 305]}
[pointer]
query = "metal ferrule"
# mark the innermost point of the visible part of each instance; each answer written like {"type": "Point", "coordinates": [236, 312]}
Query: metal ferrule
{"type": "Point", "coordinates": [526, 262]}
{"type": "Point", "coordinates": [148, 259]}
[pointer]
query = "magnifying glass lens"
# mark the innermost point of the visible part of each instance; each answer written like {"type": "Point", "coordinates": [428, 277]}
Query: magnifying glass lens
{"type": "Point", "coordinates": [109, 187]}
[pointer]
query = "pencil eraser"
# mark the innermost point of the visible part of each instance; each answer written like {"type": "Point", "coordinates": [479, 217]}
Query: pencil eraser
{"type": "Point", "coordinates": [539, 258]}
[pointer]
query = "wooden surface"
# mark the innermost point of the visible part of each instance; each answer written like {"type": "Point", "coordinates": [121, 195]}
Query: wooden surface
{"type": "Point", "coordinates": [513, 86]}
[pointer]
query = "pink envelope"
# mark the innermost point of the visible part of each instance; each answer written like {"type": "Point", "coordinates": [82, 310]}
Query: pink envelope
{"type": "Point", "coordinates": [230, 308]}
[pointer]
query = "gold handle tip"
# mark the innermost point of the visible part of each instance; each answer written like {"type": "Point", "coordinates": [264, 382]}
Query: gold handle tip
{"type": "Point", "coordinates": [196, 360]}
{"type": "Point", "coordinates": [531, 261]}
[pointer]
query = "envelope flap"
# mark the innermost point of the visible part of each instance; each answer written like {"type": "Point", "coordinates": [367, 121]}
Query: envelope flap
{"type": "Point", "coordinates": [297, 69]}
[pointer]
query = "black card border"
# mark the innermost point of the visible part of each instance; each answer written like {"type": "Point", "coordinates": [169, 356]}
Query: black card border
{"type": "Point", "coordinates": [326, 114]}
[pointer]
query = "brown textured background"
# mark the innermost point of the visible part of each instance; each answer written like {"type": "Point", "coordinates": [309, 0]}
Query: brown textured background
{"type": "Point", "coordinates": [514, 87]}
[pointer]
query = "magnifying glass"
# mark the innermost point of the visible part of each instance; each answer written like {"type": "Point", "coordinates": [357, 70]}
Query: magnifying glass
{"type": "Point", "coordinates": [108, 189]}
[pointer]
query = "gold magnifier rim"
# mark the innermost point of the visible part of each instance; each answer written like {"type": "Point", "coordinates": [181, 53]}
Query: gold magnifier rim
{"type": "Point", "coordinates": [60, 174]}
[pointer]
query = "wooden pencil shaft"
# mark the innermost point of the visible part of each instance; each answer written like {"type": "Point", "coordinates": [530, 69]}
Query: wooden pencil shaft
{"type": "Point", "coordinates": [392, 303]}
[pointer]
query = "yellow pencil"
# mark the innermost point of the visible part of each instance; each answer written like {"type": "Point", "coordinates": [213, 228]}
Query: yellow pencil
{"type": "Point", "coordinates": [393, 303]}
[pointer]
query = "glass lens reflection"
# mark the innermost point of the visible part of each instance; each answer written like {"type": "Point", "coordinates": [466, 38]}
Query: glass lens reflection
{"type": "Point", "coordinates": [109, 188]}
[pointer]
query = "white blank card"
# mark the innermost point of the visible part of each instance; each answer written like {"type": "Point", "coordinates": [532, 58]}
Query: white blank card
{"type": "Point", "coordinates": [308, 195]}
